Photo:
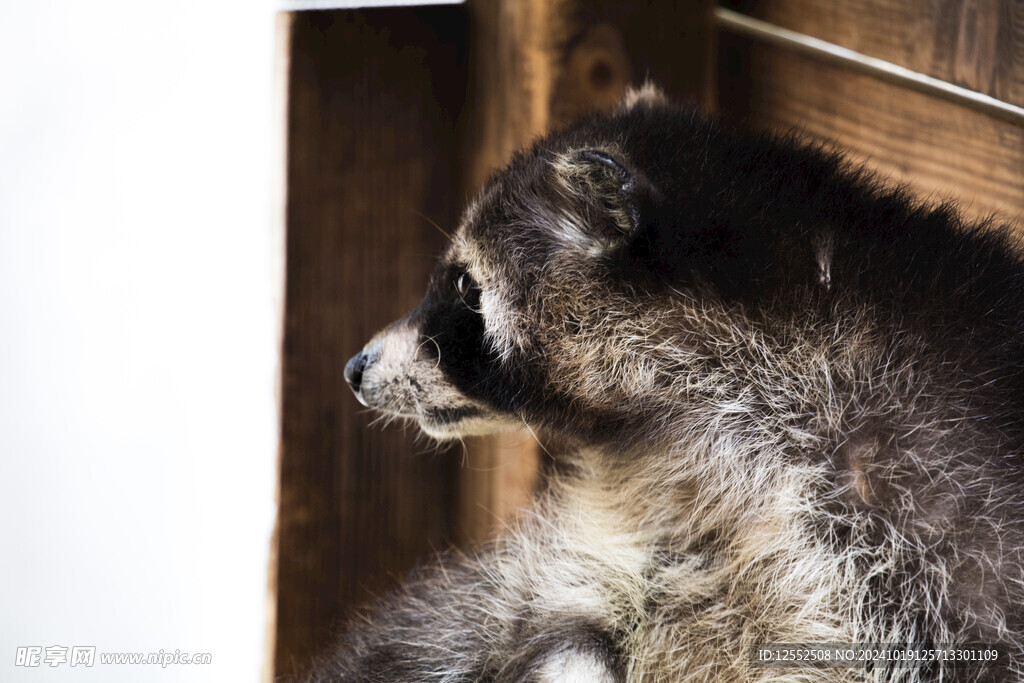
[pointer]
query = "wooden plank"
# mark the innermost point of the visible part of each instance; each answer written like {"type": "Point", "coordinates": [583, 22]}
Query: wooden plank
{"type": "Point", "coordinates": [611, 44]}
{"type": "Point", "coordinates": [510, 82]}
{"type": "Point", "coordinates": [940, 149]}
{"type": "Point", "coordinates": [373, 100]}
{"type": "Point", "coordinates": [977, 44]}
{"type": "Point", "coordinates": [538, 64]}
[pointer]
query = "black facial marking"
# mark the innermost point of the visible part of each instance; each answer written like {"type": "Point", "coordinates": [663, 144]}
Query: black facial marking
{"type": "Point", "coordinates": [453, 334]}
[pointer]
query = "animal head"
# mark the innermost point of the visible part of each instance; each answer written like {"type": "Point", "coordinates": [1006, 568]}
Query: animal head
{"type": "Point", "coordinates": [534, 271]}
{"type": "Point", "coordinates": [578, 287]}
{"type": "Point", "coordinates": [633, 266]}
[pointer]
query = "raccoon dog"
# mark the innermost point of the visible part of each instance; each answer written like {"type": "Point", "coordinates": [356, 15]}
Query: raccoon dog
{"type": "Point", "coordinates": [789, 407]}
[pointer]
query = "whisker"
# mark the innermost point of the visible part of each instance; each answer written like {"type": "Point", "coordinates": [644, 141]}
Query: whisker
{"type": "Point", "coordinates": [534, 435]}
{"type": "Point", "coordinates": [436, 346]}
{"type": "Point", "coordinates": [429, 220]}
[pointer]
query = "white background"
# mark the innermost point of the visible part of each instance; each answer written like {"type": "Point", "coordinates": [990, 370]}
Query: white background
{"type": "Point", "coordinates": [137, 332]}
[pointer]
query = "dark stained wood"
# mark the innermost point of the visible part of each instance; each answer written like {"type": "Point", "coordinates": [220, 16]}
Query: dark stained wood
{"type": "Point", "coordinates": [610, 44]}
{"type": "Point", "coordinates": [374, 99]}
{"type": "Point", "coordinates": [510, 82]}
{"type": "Point", "coordinates": [977, 44]}
{"type": "Point", "coordinates": [941, 149]}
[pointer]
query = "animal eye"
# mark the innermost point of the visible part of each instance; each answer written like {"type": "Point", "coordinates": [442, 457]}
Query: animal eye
{"type": "Point", "coordinates": [464, 283]}
{"type": "Point", "coordinates": [468, 290]}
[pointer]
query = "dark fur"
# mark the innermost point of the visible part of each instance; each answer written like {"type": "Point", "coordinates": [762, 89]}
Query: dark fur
{"type": "Point", "coordinates": [829, 329]}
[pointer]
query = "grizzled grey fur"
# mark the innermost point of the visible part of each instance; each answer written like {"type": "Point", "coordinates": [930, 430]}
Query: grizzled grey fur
{"type": "Point", "coordinates": [787, 399]}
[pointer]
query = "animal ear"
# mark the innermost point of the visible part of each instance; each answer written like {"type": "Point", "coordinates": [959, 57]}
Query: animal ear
{"type": "Point", "coordinates": [608, 194]}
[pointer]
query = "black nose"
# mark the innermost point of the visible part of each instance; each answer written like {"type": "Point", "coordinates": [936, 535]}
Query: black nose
{"type": "Point", "coordinates": [354, 372]}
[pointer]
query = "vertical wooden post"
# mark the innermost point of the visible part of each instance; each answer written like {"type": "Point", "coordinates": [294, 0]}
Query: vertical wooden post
{"type": "Point", "coordinates": [374, 98]}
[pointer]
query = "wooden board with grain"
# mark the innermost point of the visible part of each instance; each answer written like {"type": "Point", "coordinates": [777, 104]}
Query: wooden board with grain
{"type": "Point", "coordinates": [374, 98]}
{"type": "Point", "coordinates": [942, 150]}
{"type": "Point", "coordinates": [976, 44]}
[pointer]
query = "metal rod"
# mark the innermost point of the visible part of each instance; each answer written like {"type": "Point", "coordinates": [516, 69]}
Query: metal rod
{"type": "Point", "coordinates": [878, 68]}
